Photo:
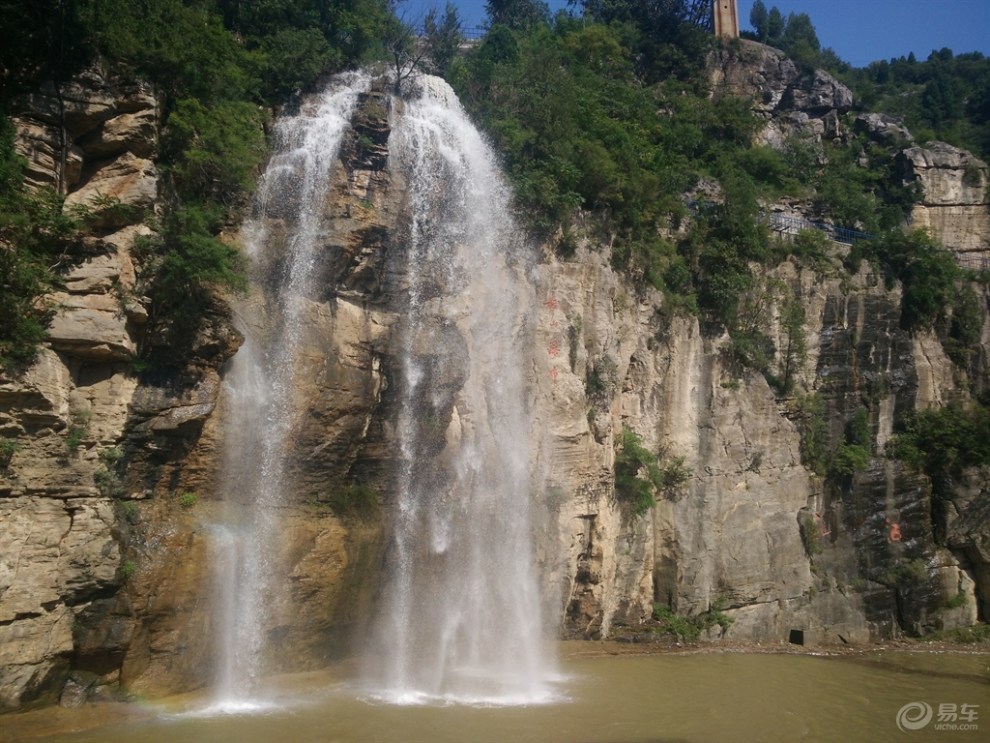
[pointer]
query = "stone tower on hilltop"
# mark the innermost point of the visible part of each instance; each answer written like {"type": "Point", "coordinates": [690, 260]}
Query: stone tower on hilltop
{"type": "Point", "coordinates": [726, 19]}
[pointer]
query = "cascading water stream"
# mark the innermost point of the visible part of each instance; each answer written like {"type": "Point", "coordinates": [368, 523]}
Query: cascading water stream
{"type": "Point", "coordinates": [462, 616]}
{"type": "Point", "coordinates": [259, 387]}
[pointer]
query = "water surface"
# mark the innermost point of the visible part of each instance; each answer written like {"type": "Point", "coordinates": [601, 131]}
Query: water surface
{"type": "Point", "coordinates": [604, 698]}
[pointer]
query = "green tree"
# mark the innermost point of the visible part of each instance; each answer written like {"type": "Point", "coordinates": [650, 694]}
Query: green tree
{"type": "Point", "coordinates": [944, 441]}
{"type": "Point", "coordinates": [671, 37]}
{"type": "Point", "coordinates": [929, 274]}
{"type": "Point", "coordinates": [638, 475]}
{"type": "Point", "coordinates": [795, 351]}
{"type": "Point", "coordinates": [35, 236]}
{"type": "Point", "coordinates": [800, 40]}
{"type": "Point", "coordinates": [193, 265]}
{"type": "Point", "coordinates": [775, 25]}
{"type": "Point", "coordinates": [443, 37]}
{"type": "Point", "coordinates": [518, 15]}
{"type": "Point", "coordinates": [215, 150]}
{"type": "Point", "coordinates": [759, 19]}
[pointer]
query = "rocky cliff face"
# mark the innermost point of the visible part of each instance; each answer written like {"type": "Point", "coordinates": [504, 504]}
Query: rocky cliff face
{"type": "Point", "coordinates": [104, 546]}
{"type": "Point", "coordinates": [790, 99]}
{"type": "Point", "coordinates": [93, 443]}
{"type": "Point", "coordinates": [754, 530]}
{"type": "Point", "coordinates": [954, 204]}
{"type": "Point", "coordinates": [60, 553]}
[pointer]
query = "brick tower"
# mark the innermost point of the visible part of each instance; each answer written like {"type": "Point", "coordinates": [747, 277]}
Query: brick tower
{"type": "Point", "coordinates": [726, 19]}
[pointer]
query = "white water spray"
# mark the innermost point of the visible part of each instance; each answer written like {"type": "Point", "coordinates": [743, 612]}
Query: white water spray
{"type": "Point", "coordinates": [462, 612]}
{"type": "Point", "coordinates": [259, 390]}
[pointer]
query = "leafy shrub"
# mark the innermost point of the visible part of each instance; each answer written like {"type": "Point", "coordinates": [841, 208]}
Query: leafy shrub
{"type": "Point", "coordinates": [850, 459]}
{"type": "Point", "coordinates": [906, 574]}
{"type": "Point", "coordinates": [943, 441]}
{"type": "Point", "coordinates": [962, 342]}
{"type": "Point", "coordinates": [294, 59]}
{"type": "Point", "coordinates": [854, 453]}
{"type": "Point", "coordinates": [639, 474]}
{"type": "Point", "coordinates": [811, 248]}
{"type": "Point", "coordinates": [809, 535]}
{"type": "Point", "coordinates": [128, 510]}
{"type": "Point", "coordinates": [680, 627]}
{"type": "Point", "coordinates": [187, 499]}
{"type": "Point", "coordinates": [358, 501]}
{"type": "Point", "coordinates": [192, 263]}
{"type": "Point", "coordinates": [78, 428]}
{"type": "Point", "coordinates": [795, 351]}
{"type": "Point", "coordinates": [928, 272]}
{"type": "Point", "coordinates": [689, 629]}
{"type": "Point", "coordinates": [105, 211]}
{"type": "Point", "coordinates": [815, 439]}
{"type": "Point", "coordinates": [8, 448]}
{"type": "Point", "coordinates": [215, 150]}
{"type": "Point", "coordinates": [127, 569]}
{"type": "Point", "coordinates": [107, 477]}
{"type": "Point", "coordinates": [972, 175]}
{"type": "Point", "coordinates": [108, 483]}
{"type": "Point", "coordinates": [35, 234]}
{"type": "Point", "coordinates": [978, 634]}
{"type": "Point", "coordinates": [601, 380]}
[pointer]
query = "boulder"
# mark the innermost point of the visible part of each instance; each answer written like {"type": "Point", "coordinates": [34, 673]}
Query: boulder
{"type": "Point", "coordinates": [127, 179]}
{"type": "Point", "coordinates": [128, 132]}
{"type": "Point", "coordinates": [91, 326]}
{"type": "Point", "coordinates": [882, 128]}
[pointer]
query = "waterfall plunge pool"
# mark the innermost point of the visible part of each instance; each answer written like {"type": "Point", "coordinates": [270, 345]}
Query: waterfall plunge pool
{"type": "Point", "coordinates": [697, 696]}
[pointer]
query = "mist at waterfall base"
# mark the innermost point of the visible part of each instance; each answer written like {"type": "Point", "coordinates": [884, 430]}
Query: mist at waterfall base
{"type": "Point", "coordinates": [461, 617]}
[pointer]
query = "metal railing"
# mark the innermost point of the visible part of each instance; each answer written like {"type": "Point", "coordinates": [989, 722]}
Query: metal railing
{"type": "Point", "coordinates": [791, 225]}
{"type": "Point", "coordinates": [469, 33]}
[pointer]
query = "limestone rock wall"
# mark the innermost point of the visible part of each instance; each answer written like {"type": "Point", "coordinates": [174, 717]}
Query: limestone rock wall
{"type": "Point", "coordinates": [955, 202]}
{"type": "Point", "coordinates": [60, 552]}
{"type": "Point", "coordinates": [754, 530]}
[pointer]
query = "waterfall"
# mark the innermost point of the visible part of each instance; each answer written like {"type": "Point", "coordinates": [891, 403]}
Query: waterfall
{"type": "Point", "coordinates": [259, 387]}
{"type": "Point", "coordinates": [461, 618]}
{"type": "Point", "coordinates": [460, 612]}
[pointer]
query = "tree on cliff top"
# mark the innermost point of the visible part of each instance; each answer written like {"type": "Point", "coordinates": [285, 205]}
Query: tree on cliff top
{"type": "Point", "coordinates": [517, 15]}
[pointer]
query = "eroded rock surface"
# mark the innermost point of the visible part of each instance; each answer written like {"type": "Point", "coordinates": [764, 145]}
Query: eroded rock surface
{"type": "Point", "coordinates": [954, 206]}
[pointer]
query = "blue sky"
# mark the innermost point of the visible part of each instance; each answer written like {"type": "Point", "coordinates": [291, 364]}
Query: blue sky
{"type": "Point", "coordinates": [860, 31]}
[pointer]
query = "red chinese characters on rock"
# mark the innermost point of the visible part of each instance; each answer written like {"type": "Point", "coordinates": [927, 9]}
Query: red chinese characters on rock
{"type": "Point", "coordinates": [553, 349]}
{"type": "Point", "coordinates": [894, 535]}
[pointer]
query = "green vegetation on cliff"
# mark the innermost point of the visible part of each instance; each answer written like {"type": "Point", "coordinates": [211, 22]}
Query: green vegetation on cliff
{"type": "Point", "coordinates": [610, 114]}
{"type": "Point", "coordinates": [217, 65]}
{"type": "Point", "coordinates": [640, 473]}
{"type": "Point", "coordinates": [604, 115]}
{"type": "Point", "coordinates": [945, 97]}
{"type": "Point", "coordinates": [35, 233]}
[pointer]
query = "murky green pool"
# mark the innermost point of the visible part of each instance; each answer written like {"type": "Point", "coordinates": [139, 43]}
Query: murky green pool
{"type": "Point", "coordinates": [611, 698]}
